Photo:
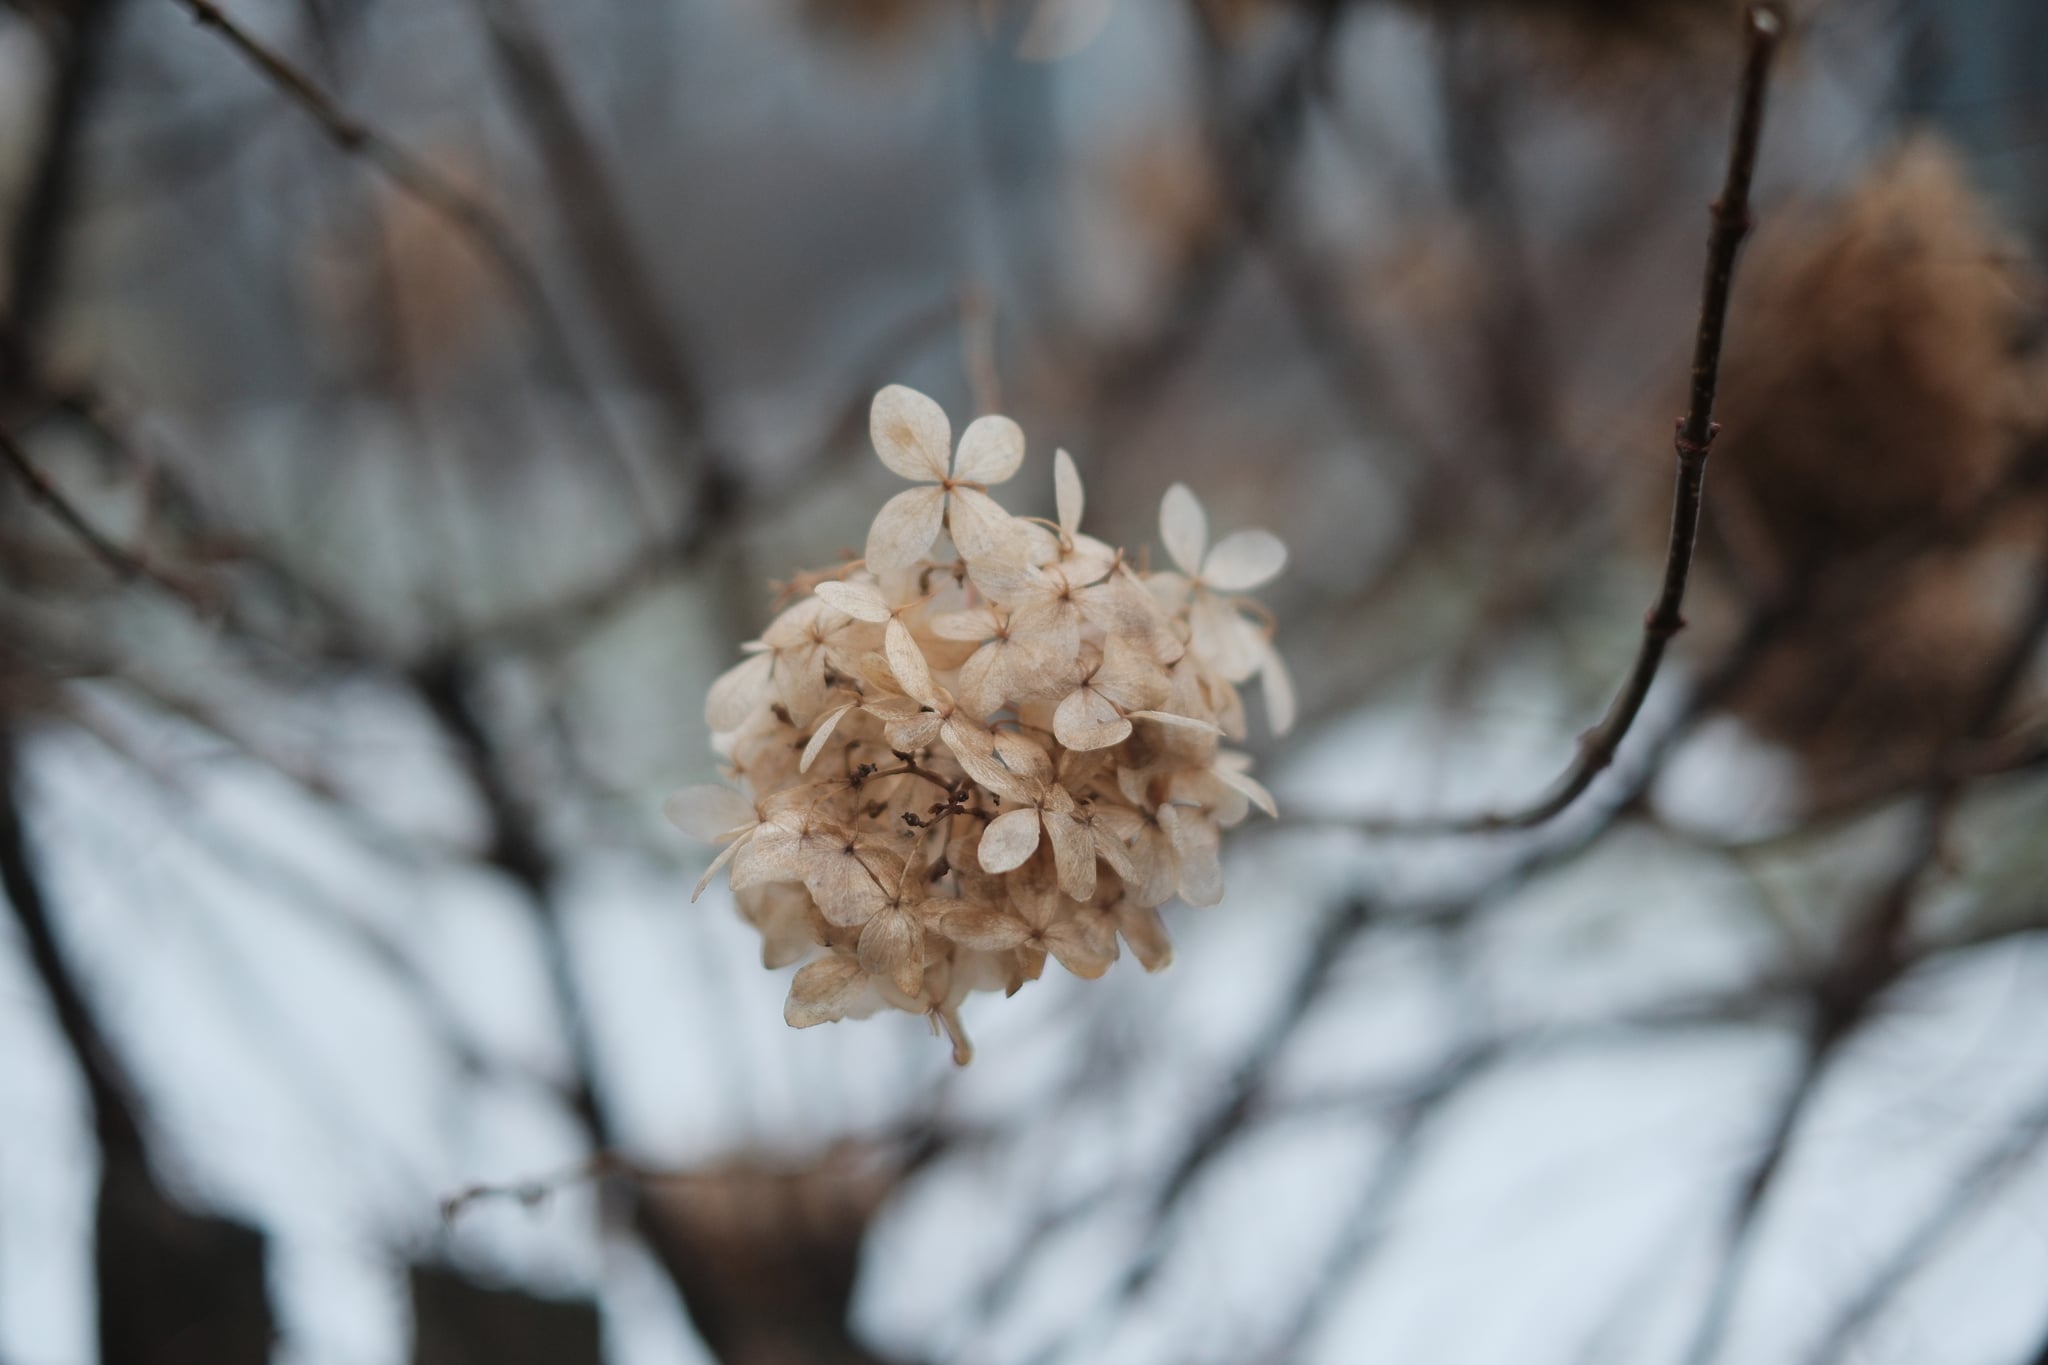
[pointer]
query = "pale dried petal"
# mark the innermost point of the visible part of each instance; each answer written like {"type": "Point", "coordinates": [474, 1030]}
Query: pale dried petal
{"type": "Point", "coordinates": [724, 856]}
{"type": "Point", "coordinates": [1067, 496]}
{"type": "Point", "coordinates": [910, 433]}
{"type": "Point", "coordinates": [862, 601]}
{"type": "Point", "coordinates": [1252, 790]}
{"type": "Point", "coordinates": [907, 662]}
{"type": "Point", "coordinates": [1195, 840]}
{"type": "Point", "coordinates": [1128, 678]}
{"type": "Point", "coordinates": [848, 881]}
{"type": "Point", "coordinates": [1087, 720]}
{"type": "Point", "coordinates": [984, 532]}
{"type": "Point", "coordinates": [974, 749]}
{"type": "Point", "coordinates": [990, 450]}
{"type": "Point", "coordinates": [1243, 560]}
{"type": "Point", "coordinates": [1082, 949]}
{"type": "Point", "coordinates": [739, 692]}
{"type": "Point", "coordinates": [1228, 642]}
{"type": "Point", "coordinates": [984, 929]}
{"type": "Point", "coordinates": [892, 947]}
{"type": "Point", "coordinates": [830, 989]}
{"type": "Point", "coordinates": [1073, 851]}
{"type": "Point", "coordinates": [1194, 723]}
{"type": "Point", "coordinates": [781, 912]}
{"type": "Point", "coordinates": [974, 624]}
{"type": "Point", "coordinates": [1143, 929]}
{"type": "Point", "coordinates": [1183, 528]}
{"type": "Point", "coordinates": [710, 813]}
{"type": "Point", "coordinates": [1022, 757]}
{"type": "Point", "coordinates": [905, 528]}
{"type": "Point", "coordinates": [827, 723]}
{"type": "Point", "coordinates": [1278, 685]}
{"type": "Point", "coordinates": [1010, 839]}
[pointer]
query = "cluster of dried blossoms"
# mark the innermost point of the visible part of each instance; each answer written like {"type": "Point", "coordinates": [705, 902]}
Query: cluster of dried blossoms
{"type": "Point", "coordinates": [955, 764]}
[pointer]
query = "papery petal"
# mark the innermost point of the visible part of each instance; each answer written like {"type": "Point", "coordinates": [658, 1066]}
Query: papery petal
{"type": "Point", "coordinates": [1111, 849]}
{"type": "Point", "coordinates": [905, 528]}
{"type": "Point", "coordinates": [907, 662]}
{"type": "Point", "coordinates": [976, 623]}
{"type": "Point", "coordinates": [782, 913]}
{"type": "Point", "coordinates": [1251, 789]}
{"type": "Point", "coordinates": [918, 732]}
{"type": "Point", "coordinates": [892, 946]}
{"type": "Point", "coordinates": [710, 813]}
{"type": "Point", "coordinates": [985, 929]}
{"type": "Point", "coordinates": [1087, 720]}
{"type": "Point", "coordinates": [724, 856]}
{"type": "Point", "coordinates": [1066, 492]}
{"type": "Point", "coordinates": [910, 433]}
{"type": "Point", "coordinates": [1227, 642]}
{"type": "Point", "coordinates": [1022, 757]}
{"type": "Point", "coordinates": [1195, 847]}
{"type": "Point", "coordinates": [990, 450]}
{"type": "Point", "coordinates": [1073, 851]}
{"type": "Point", "coordinates": [1081, 948]}
{"type": "Point", "coordinates": [1243, 560]}
{"type": "Point", "coordinates": [1183, 528]}
{"type": "Point", "coordinates": [829, 989]}
{"type": "Point", "coordinates": [974, 749]}
{"type": "Point", "coordinates": [1129, 677]}
{"type": "Point", "coordinates": [862, 601]}
{"type": "Point", "coordinates": [1207, 727]}
{"type": "Point", "coordinates": [1278, 685]}
{"type": "Point", "coordinates": [1146, 933]}
{"type": "Point", "coordinates": [739, 692]}
{"type": "Point", "coordinates": [827, 723]}
{"type": "Point", "coordinates": [847, 883]}
{"type": "Point", "coordinates": [984, 532]}
{"type": "Point", "coordinates": [1009, 840]}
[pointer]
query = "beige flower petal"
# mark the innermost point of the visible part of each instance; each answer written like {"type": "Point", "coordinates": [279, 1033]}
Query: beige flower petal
{"type": "Point", "coordinates": [1278, 685]}
{"type": "Point", "coordinates": [1243, 560]}
{"type": "Point", "coordinates": [1251, 789]}
{"type": "Point", "coordinates": [892, 946]}
{"type": "Point", "coordinates": [710, 813]}
{"type": "Point", "coordinates": [1128, 677]}
{"type": "Point", "coordinates": [1087, 720]}
{"type": "Point", "coordinates": [724, 856]}
{"type": "Point", "coordinates": [1146, 933]}
{"type": "Point", "coordinates": [1022, 757]}
{"type": "Point", "coordinates": [1010, 839]}
{"type": "Point", "coordinates": [827, 723]}
{"type": "Point", "coordinates": [861, 601]}
{"type": "Point", "coordinates": [1207, 727]}
{"type": "Point", "coordinates": [1066, 492]}
{"type": "Point", "coordinates": [1183, 528]}
{"type": "Point", "coordinates": [907, 662]}
{"type": "Point", "coordinates": [910, 433]}
{"type": "Point", "coordinates": [829, 989]}
{"type": "Point", "coordinates": [905, 528]}
{"type": "Point", "coordinates": [989, 930]}
{"type": "Point", "coordinates": [847, 882]}
{"type": "Point", "coordinates": [976, 623]}
{"type": "Point", "coordinates": [974, 749]}
{"type": "Point", "coordinates": [990, 450]}
{"type": "Point", "coordinates": [1195, 845]}
{"type": "Point", "coordinates": [1085, 944]}
{"type": "Point", "coordinates": [1225, 639]}
{"type": "Point", "coordinates": [988, 537]}
{"type": "Point", "coordinates": [1073, 851]}
{"type": "Point", "coordinates": [739, 692]}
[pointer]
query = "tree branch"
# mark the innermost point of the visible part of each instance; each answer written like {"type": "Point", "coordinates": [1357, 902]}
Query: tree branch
{"type": "Point", "coordinates": [1731, 223]}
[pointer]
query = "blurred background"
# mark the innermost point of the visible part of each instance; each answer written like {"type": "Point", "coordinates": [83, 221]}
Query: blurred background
{"type": "Point", "coordinates": [409, 407]}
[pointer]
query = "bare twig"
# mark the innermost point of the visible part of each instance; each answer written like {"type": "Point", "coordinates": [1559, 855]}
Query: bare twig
{"type": "Point", "coordinates": [468, 215]}
{"type": "Point", "coordinates": [1731, 223]}
{"type": "Point", "coordinates": [126, 565]}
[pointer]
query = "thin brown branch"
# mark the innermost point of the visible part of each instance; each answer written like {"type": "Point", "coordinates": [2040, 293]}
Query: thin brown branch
{"type": "Point", "coordinates": [469, 216]}
{"type": "Point", "coordinates": [1730, 225]}
{"type": "Point", "coordinates": [126, 565]}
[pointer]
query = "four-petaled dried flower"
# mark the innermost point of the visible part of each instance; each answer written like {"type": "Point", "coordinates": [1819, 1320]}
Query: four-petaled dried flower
{"type": "Point", "coordinates": [990, 741]}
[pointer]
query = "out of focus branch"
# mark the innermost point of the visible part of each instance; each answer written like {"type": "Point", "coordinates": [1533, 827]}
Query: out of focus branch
{"type": "Point", "coordinates": [469, 216]}
{"type": "Point", "coordinates": [126, 565]}
{"type": "Point", "coordinates": [1731, 223]}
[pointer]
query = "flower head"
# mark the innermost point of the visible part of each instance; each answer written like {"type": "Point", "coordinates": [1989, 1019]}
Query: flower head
{"type": "Point", "coordinates": [953, 769]}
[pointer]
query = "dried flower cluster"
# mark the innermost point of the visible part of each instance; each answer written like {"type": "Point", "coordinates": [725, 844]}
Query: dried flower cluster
{"type": "Point", "coordinates": [990, 740]}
